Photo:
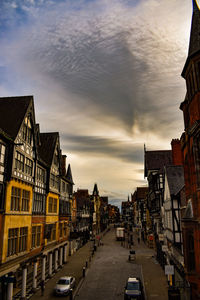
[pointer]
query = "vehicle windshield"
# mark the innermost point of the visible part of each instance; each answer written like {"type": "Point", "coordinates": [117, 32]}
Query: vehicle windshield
{"type": "Point", "coordinates": [133, 286]}
{"type": "Point", "coordinates": [63, 281]}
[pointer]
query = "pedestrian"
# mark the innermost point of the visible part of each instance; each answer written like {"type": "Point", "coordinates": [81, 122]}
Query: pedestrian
{"type": "Point", "coordinates": [138, 239]}
{"type": "Point", "coordinates": [42, 287]}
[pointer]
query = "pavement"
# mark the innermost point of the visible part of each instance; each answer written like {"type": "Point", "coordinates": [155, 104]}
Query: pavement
{"type": "Point", "coordinates": [155, 281]}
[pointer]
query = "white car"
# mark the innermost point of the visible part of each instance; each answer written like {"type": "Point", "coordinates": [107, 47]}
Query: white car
{"type": "Point", "coordinates": [64, 285]}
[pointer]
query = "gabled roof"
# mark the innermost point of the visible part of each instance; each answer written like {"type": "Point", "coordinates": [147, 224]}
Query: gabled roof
{"type": "Point", "coordinates": [47, 146]}
{"type": "Point", "coordinates": [156, 160]}
{"type": "Point", "coordinates": [12, 113]}
{"type": "Point", "coordinates": [69, 174]}
{"type": "Point", "coordinates": [175, 178]}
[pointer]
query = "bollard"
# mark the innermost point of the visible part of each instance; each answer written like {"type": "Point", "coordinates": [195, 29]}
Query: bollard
{"type": "Point", "coordinates": [83, 271]}
{"type": "Point", "coordinates": [70, 294]}
{"type": "Point", "coordinates": [86, 264]}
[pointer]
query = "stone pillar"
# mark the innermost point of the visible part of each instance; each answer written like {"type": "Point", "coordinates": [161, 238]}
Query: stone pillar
{"type": "Point", "coordinates": [43, 267]}
{"type": "Point", "coordinates": [35, 275]}
{"type": "Point", "coordinates": [50, 264]}
{"type": "Point", "coordinates": [24, 277]}
{"type": "Point", "coordinates": [10, 291]}
{"type": "Point", "coordinates": [65, 254]}
{"type": "Point", "coordinates": [56, 260]}
{"type": "Point", "coordinates": [61, 256]}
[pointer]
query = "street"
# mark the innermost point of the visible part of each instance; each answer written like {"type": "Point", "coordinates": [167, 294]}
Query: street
{"type": "Point", "coordinates": [109, 271]}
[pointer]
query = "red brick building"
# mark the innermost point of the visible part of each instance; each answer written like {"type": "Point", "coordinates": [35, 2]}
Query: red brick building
{"type": "Point", "coordinates": [190, 143]}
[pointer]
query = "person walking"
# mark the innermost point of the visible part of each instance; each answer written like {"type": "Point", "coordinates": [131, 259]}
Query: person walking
{"type": "Point", "coordinates": [42, 287]}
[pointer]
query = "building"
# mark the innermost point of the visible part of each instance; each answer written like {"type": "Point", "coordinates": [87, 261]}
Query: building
{"type": "Point", "coordinates": [174, 185]}
{"type": "Point", "coordinates": [139, 200]}
{"type": "Point", "coordinates": [83, 225]}
{"type": "Point", "coordinates": [154, 171]}
{"type": "Point", "coordinates": [35, 200]}
{"type": "Point", "coordinates": [191, 157]}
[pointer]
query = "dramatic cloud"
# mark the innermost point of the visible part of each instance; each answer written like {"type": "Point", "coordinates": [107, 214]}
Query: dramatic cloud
{"type": "Point", "coordinates": [106, 74]}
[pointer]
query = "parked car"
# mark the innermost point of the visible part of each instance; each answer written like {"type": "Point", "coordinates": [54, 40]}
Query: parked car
{"type": "Point", "coordinates": [133, 289]}
{"type": "Point", "coordinates": [64, 285]}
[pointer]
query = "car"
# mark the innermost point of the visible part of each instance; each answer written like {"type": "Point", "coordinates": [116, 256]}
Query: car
{"type": "Point", "coordinates": [64, 285]}
{"type": "Point", "coordinates": [133, 289]}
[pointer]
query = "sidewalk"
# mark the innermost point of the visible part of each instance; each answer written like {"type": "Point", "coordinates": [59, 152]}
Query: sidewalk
{"type": "Point", "coordinates": [155, 281]}
{"type": "Point", "coordinates": [74, 267]}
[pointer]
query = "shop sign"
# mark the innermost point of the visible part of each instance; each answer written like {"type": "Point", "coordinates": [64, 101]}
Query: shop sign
{"type": "Point", "coordinates": [169, 270]}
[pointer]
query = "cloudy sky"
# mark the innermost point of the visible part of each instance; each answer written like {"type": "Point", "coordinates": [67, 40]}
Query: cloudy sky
{"type": "Point", "coordinates": [105, 74]}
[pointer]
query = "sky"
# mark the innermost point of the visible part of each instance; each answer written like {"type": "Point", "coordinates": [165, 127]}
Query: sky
{"type": "Point", "coordinates": [106, 74]}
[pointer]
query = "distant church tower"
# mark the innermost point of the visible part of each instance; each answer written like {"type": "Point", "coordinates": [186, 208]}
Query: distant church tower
{"type": "Point", "coordinates": [190, 142]}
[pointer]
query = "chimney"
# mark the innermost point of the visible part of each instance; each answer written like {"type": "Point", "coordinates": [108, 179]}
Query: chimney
{"type": "Point", "coordinates": [176, 152]}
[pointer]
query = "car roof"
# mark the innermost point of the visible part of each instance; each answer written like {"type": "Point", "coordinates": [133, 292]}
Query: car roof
{"type": "Point", "coordinates": [65, 277]}
{"type": "Point", "coordinates": [133, 279]}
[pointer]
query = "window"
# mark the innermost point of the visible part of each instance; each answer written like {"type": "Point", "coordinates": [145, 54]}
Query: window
{"type": "Point", "coordinates": [36, 233]}
{"type": "Point", "coordinates": [196, 151]}
{"type": "Point", "coordinates": [20, 199]}
{"type": "Point", "coordinates": [19, 161]}
{"type": "Point", "coordinates": [12, 241]}
{"type": "Point", "coordinates": [40, 174]}
{"type": "Point", "coordinates": [61, 230]}
{"type": "Point", "coordinates": [25, 200]}
{"type": "Point", "coordinates": [2, 153]}
{"type": "Point", "coordinates": [191, 254]}
{"type": "Point", "coordinates": [52, 205]}
{"type": "Point", "coordinates": [23, 239]}
{"type": "Point", "coordinates": [28, 166]}
{"type": "Point", "coordinates": [27, 131]}
{"type": "Point", "coordinates": [54, 181]}
{"type": "Point", "coordinates": [53, 232]}
{"type": "Point", "coordinates": [65, 229]}
{"type": "Point", "coordinates": [38, 203]}
{"type": "Point", "coordinates": [15, 198]}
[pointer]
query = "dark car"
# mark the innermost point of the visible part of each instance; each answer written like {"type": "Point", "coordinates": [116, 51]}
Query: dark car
{"type": "Point", "coordinates": [133, 289]}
